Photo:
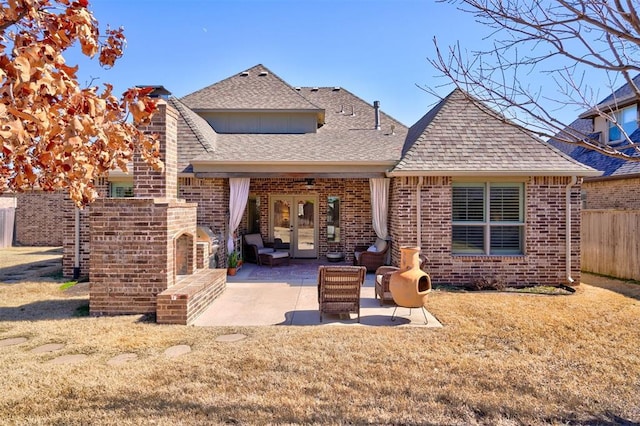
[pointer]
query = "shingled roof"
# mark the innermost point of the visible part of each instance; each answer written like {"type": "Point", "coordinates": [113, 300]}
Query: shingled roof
{"type": "Point", "coordinates": [610, 166]}
{"type": "Point", "coordinates": [254, 89]}
{"type": "Point", "coordinates": [195, 136]}
{"type": "Point", "coordinates": [345, 136]}
{"type": "Point", "coordinates": [461, 137]}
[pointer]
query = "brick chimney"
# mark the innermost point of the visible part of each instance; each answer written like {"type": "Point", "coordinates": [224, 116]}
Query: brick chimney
{"type": "Point", "coordinates": [150, 183]}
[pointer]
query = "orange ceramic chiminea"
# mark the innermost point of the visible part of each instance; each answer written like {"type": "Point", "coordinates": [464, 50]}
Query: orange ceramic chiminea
{"type": "Point", "coordinates": [410, 285]}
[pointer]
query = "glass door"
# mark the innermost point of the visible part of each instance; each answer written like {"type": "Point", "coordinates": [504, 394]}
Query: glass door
{"type": "Point", "coordinates": [294, 220]}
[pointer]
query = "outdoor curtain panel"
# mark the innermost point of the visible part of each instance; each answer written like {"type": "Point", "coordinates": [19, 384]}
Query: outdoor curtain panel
{"type": "Point", "coordinates": [238, 195]}
{"type": "Point", "coordinates": [380, 206]}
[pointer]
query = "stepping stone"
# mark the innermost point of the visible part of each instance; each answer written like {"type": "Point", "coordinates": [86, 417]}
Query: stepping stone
{"type": "Point", "coordinates": [230, 338]}
{"type": "Point", "coordinates": [13, 341]}
{"type": "Point", "coordinates": [122, 358]}
{"type": "Point", "coordinates": [49, 347]}
{"type": "Point", "coordinates": [69, 359]}
{"type": "Point", "coordinates": [175, 351]}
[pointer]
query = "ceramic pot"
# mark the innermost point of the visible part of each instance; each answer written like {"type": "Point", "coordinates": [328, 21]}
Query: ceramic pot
{"type": "Point", "coordinates": [409, 285]}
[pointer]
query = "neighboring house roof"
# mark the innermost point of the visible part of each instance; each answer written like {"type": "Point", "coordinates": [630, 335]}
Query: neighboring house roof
{"type": "Point", "coordinates": [623, 96]}
{"type": "Point", "coordinates": [610, 166]}
{"type": "Point", "coordinates": [459, 137]}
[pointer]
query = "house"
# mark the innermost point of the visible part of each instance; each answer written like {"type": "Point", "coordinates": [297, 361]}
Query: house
{"type": "Point", "coordinates": [619, 185]}
{"type": "Point", "coordinates": [611, 202]}
{"type": "Point", "coordinates": [325, 171]}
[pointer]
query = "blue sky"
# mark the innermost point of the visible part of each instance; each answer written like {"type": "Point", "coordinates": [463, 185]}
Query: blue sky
{"type": "Point", "coordinates": [377, 49]}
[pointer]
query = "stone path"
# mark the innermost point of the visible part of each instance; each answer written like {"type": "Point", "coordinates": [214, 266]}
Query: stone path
{"type": "Point", "coordinates": [171, 352]}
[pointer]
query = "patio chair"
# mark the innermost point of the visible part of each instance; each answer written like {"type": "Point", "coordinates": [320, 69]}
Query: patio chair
{"type": "Point", "coordinates": [259, 252]}
{"type": "Point", "coordinates": [371, 257]}
{"type": "Point", "coordinates": [339, 289]}
{"type": "Point", "coordinates": [382, 276]}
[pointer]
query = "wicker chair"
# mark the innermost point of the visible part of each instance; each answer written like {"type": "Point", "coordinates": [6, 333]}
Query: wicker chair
{"type": "Point", "coordinates": [383, 274]}
{"type": "Point", "coordinates": [372, 260]}
{"type": "Point", "coordinates": [339, 289]}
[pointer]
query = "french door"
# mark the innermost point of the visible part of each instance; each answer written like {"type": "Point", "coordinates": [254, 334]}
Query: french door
{"type": "Point", "coordinates": [294, 219]}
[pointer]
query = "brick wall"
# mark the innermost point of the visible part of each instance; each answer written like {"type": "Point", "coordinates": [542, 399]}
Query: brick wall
{"type": "Point", "coordinates": [38, 218]}
{"type": "Point", "coordinates": [623, 193]}
{"type": "Point", "coordinates": [151, 183]}
{"type": "Point", "coordinates": [69, 234]}
{"type": "Point", "coordinates": [133, 252]}
{"type": "Point", "coordinates": [545, 233]}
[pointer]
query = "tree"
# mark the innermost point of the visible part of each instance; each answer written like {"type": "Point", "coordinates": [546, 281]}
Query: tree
{"type": "Point", "coordinates": [56, 134]}
{"type": "Point", "coordinates": [570, 41]}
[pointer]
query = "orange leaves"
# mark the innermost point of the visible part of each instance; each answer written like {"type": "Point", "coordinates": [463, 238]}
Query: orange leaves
{"type": "Point", "coordinates": [54, 133]}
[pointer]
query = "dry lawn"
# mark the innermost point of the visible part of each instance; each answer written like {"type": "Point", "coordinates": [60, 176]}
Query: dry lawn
{"type": "Point", "coordinates": [501, 358]}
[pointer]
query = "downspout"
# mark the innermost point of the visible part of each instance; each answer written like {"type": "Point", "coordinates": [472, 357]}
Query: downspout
{"type": "Point", "coordinates": [574, 180]}
{"type": "Point", "coordinates": [419, 212]}
{"type": "Point", "coordinates": [76, 254]}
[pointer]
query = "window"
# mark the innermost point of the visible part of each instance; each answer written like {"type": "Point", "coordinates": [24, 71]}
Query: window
{"type": "Point", "coordinates": [333, 219]}
{"type": "Point", "coordinates": [121, 189]}
{"type": "Point", "coordinates": [625, 118]}
{"type": "Point", "coordinates": [488, 218]}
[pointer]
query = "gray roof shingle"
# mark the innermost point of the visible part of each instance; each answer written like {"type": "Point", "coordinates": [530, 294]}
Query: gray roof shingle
{"type": "Point", "coordinates": [461, 137]}
{"type": "Point", "coordinates": [254, 89]}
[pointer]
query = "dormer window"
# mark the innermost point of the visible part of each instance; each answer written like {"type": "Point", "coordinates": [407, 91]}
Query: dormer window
{"type": "Point", "coordinates": [627, 119]}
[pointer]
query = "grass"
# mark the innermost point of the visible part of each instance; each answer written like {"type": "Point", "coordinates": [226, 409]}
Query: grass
{"type": "Point", "coordinates": [502, 358]}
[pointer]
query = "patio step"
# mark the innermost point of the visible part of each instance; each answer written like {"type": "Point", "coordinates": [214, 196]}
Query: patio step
{"type": "Point", "coordinates": [192, 295]}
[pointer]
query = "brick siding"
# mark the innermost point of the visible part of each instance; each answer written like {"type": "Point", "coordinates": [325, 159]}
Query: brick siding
{"type": "Point", "coordinates": [623, 193]}
{"type": "Point", "coordinates": [38, 218]}
{"type": "Point", "coordinates": [544, 259]}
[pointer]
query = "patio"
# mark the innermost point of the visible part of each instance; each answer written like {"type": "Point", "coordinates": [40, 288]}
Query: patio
{"type": "Point", "coordinates": [287, 295]}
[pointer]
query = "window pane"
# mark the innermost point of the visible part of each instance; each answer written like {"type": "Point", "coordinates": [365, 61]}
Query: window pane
{"type": "Point", "coordinates": [468, 203]}
{"type": "Point", "coordinates": [627, 119]}
{"type": "Point", "coordinates": [468, 239]}
{"type": "Point", "coordinates": [505, 204]}
{"type": "Point", "coordinates": [506, 240]}
{"type": "Point", "coordinates": [333, 219]}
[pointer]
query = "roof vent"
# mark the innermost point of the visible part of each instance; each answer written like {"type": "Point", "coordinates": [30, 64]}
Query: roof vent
{"type": "Point", "coordinates": [335, 89]}
{"type": "Point", "coordinates": [314, 89]}
{"type": "Point", "coordinates": [353, 111]}
{"type": "Point", "coordinates": [376, 108]}
{"type": "Point", "coordinates": [298, 88]}
{"type": "Point", "coordinates": [244, 73]}
{"type": "Point", "coordinates": [263, 73]}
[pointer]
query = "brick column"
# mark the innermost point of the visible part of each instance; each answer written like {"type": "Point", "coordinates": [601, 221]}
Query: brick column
{"type": "Point", "coordinates": [150, 183]}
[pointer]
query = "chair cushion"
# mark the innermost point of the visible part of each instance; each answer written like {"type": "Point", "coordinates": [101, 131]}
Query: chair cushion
{"type": "Point", "coordinates": [254, 240]}
{"type": "Point", "coordinates": [279, 254]}
{"type": "Point", "coordinates": [265, 250]}
{"type": "Point", "coordinates": [380, 244]}
{"type": "Point", "coordinates": [373, 249]}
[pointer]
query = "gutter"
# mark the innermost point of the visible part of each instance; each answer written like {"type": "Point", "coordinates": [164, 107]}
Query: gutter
{"type": "Point", "coordinates": [419, 212]}
{"type": "Point", "coordinates": [76, 254]}
{"type": "Point", "coordinates": [574, 180]}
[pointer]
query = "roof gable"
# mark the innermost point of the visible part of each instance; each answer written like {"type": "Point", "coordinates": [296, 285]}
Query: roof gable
{"type": "Point", "coordinates": [462, 137]}
{"type": "Point", "coordinates": [254, 89]}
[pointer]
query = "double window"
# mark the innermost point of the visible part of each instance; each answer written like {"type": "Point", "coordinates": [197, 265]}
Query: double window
{"type": "Point", "coordinates": [627, 119]}
{"type": "Point", "coordinates": [488, 218]}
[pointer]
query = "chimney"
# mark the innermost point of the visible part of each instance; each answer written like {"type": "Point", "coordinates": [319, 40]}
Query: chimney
{"type": "Point", "coordinates": [376, 108]}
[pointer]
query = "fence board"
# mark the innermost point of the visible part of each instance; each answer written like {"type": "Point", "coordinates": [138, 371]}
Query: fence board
{"type": "Point", "coordinates": [611, 242]}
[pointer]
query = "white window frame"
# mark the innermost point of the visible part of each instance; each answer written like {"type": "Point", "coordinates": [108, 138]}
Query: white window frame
{"type": "Point", "coordinates": [620, 124]}
{"type": "Point", "coordinates": [487, 224]}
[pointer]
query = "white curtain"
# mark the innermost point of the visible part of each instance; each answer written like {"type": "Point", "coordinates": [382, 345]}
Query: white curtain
{"type": "Point", "coordinates": [238, 196]}
{"type": "Point", "coordinates": [380, 206]}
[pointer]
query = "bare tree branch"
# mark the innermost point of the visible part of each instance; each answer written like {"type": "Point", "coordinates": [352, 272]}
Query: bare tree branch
{"type": "Point", "coordinates": [586, 35]}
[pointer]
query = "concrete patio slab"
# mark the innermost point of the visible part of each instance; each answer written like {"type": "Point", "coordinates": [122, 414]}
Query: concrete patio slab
{"type": "Point", "coordinates": [294, 301]}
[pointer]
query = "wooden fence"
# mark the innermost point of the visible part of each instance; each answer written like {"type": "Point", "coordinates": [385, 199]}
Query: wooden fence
{"type": "Point", "coordinates": [611, 243]}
